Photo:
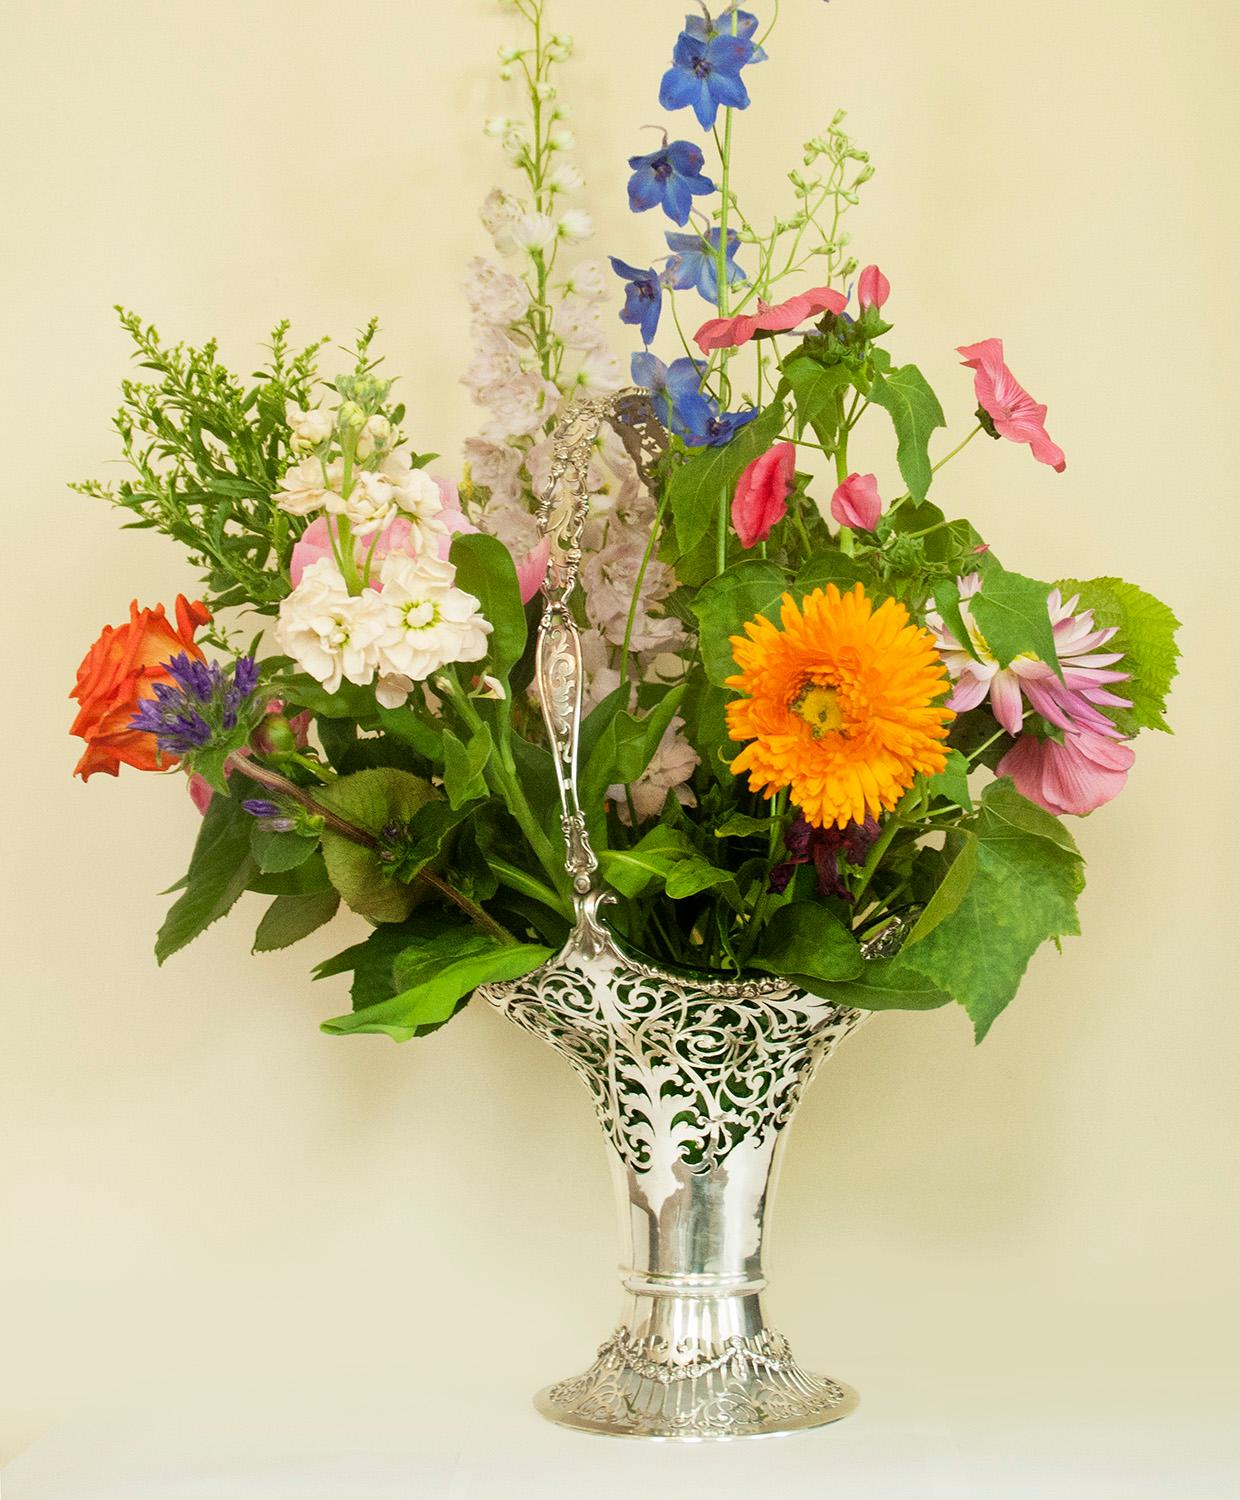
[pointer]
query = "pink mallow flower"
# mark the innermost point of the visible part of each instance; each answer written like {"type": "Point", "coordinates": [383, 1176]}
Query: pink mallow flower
{"type": "Point", "coordinates": [1068, 703]}
{"type": "Point", "coordinates": [873, 288]}
{"type": "Point", "coordinates": [730, 333]}
{"type": "Point", "coordinates": [1074, 777]}
{"type": "Point", "coordinates": [1014, 412]}
{"type": "Point", "coordinates": [761, 499]}
{"type": "Point", "coordinates": [856, 503]}
{"type": "Point", "coordinates": [398, 537]}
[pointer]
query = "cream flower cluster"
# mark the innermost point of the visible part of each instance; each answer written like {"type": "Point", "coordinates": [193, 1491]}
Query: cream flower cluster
{"type": "Point", "coordinates": [412, 624]}
{"type": "Point", "coordinates": [375, 497]}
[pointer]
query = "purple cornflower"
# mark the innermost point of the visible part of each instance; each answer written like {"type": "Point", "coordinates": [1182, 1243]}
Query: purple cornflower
{"type": "Point", "coordinates": [200, 702]}
{"type": "Point", "coordinates": [827, 848]}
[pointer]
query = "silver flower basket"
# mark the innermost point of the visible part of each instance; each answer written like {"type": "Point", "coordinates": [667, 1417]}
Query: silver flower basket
{"type": "Point", "coordinates": [693, 1078]}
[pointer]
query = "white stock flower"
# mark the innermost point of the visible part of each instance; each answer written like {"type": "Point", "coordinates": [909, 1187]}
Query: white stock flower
{"type": "Point", "coordinates": [580, 325]}
{"type": "Point", "coordinates": [533, 232]}
{"type": "Point", "coordinates": [305, 488]}
{"type": "Point", "coordinates": [330, 633]}
{"type": "Point", "coordinates": [376, 434]}
{"type": "Point", "coordinates": [428, 622]}
{"type": "Point", "coordinates": [600, 371]}
{"type": "Point", "coordinates": [520, 405]}
{"type": "Point", "coordinates": [309, 428]}
{"type": "Point", "coordinates": [575, 225]}
{"type": "Point", "coordinates": [601, 678]}
{"type": "Point", "coordinates": [496, 467]}
{"type": "Point", "coordinates": [565, 178]}
{"type": "Point", "coordinates": [418, 499]}
{"type": "Point", "coordinates": [494, 295]}
{"type": "Point", "coordinates": [371, 503]}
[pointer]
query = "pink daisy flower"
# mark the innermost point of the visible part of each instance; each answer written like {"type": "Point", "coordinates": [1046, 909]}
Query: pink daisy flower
{"type": "Point", "coordinates": [1009, 406]}
{"type": "Point", "coordinates": [1068, 703]}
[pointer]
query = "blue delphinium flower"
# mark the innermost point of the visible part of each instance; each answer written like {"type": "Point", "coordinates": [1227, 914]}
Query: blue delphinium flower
{"type": "Point", "coordinates": [672, 176]}
{"type": "Point", "coordinates": [677, 395]}
{"type": "Point", "coordinates": [704, 28]}
{"type": "Point", "coordinates": [643, 298]}
{"type": "Point", "coordinates": [200, 702]}
{"type": "Point", "coordinates": [706, 74]}
{"type": "Point", "coordinates": [695, 262]}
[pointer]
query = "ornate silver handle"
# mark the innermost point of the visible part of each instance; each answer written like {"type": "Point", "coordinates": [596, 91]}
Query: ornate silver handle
{"type": "Point", "coordinates": [562, 516]}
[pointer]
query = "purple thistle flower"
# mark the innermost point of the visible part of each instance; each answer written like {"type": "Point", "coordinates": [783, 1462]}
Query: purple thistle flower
{"type": "Point", "coordinates": [185, 714]}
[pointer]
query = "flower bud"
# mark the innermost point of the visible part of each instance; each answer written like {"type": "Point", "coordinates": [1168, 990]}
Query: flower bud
{"type": "Point", "coordinates": [352, 416]}
{"type": "Point", "coordinates": [873, 288]}
{"type": "Point", "coordinates": [497, 126]}
{"type": "Point", "coordinates": [274, 738]}
{"type": "Point", "coordinates": [856, 502]}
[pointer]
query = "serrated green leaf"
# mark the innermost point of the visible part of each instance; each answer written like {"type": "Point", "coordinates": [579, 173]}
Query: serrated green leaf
{"type": "Point", "coordinates": [806, 942]}
{"type": "Point", "coordinates": [706, 481]}
{"type": "Point", "coordinates": [1012, 613]}
{"type": "Point", "coordinates": [830, 567]}
{"type": "Point", "coordinates": [952, 782]}
{"type": "Point", "coordinates": [722, 606]}
{"type": "Point", "coordinates": [1023, 892]}
{"type": "Point", "coordinates": [887, 984]}
{"type": "Point", "coordinates": [274, 852]}
{"type": "Point", "coordinates": [915, 412]}
{"type": "Point", "coordinates": [950, 893]}
{"type": "Point", "coordinates": [741, 825]}
{"type": "Point", "coordinates": [1146, 636]}
{"type": "Point", "coordinates": [371, 800]}
{"type": "Point", "coordinates": [290, 918]}
{"type": "Point", "coordinates": [816, 390]}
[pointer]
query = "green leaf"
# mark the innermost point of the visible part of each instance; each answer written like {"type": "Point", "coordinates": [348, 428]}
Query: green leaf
{"type": "Point", "coordinates": [830, 567]}
{"type": "Point", "coordinates": [220, 869]}
{"type": "Point", "coordinates": [915, 412]}
{"type": "Point", "coordinates": [274, 852]}
{"type": "Point", "coordinates": [370, 962]}
{"type": "Point", "coordinates": [1025, 883]}
{"type": "Point", "coordinates": [1146, 636]}
{"type": "Point", "coordinates": [463, 766]}
{"type": "Point", "coordinates": [947, 602]}
{"type": "Point", "coordinates": [949, 894]}
{"type": "Point", "coordinates": [1012, 613]}
{"type": "Point", "coordinates": [302, 880]}
{"type": "Point", "coordinates": [484, 568]}
{"type": "Point", "coordinates": [952, 782]}
{"type": "Point", "coordinates": [741, 825]}
{"type": "Point", "coordinates": [706, 481]}
{"type": "Point", "coordinates": [290, 918]}
{"type": "Point", "coordinates": [371, 800]}
{"type": "Point", "coordinates": [437, 974]}
{"type": "Point", "coordinates": [663, 859]}
{"type": "Point", "coordinates": [723, 605]}
{"type": "Point", "coordinates": [624, 749]}
{"type": "Point", "coordinates": [816, 389]}
{"type": "Point", "coordinates": [806, 942]}
{"type": "Point", "coordinates": [887, 984]}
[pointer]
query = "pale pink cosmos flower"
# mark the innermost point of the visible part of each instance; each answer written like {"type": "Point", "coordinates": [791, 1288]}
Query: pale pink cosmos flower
{"type": "Point", "coordinates": [1009, 406]}
{"type": "Point", "coordinates": [1068, 703]}
{"type": "Point", "coordinates": [873, 288]}
{"type": "Point", "coordinates": [1074, 777]}
{"type": "Point", "coordinates": [857, 502]}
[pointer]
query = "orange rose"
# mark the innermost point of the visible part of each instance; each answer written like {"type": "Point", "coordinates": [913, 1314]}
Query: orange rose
{"type": "Point", "coordinates": [119, 670]}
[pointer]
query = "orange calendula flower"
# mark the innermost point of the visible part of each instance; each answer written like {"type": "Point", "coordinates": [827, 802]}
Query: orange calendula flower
{"type": "Point", "coordinates": [839, 705]}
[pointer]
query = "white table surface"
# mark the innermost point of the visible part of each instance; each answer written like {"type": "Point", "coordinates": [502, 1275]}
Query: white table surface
{"type": "Point", "coordinates": [208, 1443]}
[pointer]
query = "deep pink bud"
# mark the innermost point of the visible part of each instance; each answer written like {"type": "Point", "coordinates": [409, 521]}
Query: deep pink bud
{"type": "Point", "coordinates": [857, 503]}
{"type": "Point", "coordinates": [873, 288]}
{"type": "Point", "coordinates": [761, 499]}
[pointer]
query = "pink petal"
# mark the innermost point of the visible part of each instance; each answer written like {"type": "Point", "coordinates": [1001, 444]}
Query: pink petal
{"type": "Point", "coordinates": [1006, 702]}
{"type": "Point", "coordinates": [532, 571]}
{"type": "Point", "coordinates": [873, 288]}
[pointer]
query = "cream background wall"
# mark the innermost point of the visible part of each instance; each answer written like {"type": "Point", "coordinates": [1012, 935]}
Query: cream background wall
{"type": "Point", "coordinates": [192, 1177]}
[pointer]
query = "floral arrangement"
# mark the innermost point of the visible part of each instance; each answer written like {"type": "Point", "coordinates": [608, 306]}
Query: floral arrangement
{"type": "Point", "coordinates": [812, 710]}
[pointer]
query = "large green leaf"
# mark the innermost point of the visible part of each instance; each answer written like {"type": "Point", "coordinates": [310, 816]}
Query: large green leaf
{"type": "Point", "coordinates": [274, 852]}
{"type": "Point", "coordinates": [437, 974]}
{"type": "Point", "coordinates": [887, 984]}
{"type": "Point", "coordinates": [371, 962]}
{"type": "Point", "coordinates": [220, 868]}
{"type": "Point", "coordinates": [664, 859]}
{"type": "Point", "coordinates": [371, 800]}
{"type": "Point", "coordinates": [1146, 636]}
{"type": "Point", "coordinates": [806, 942]}
{"type": "Point", "coordinates": [722, 606]}
{"type": "Point", "coordinates": [706, 481]}
{"type": "Point", "coordinates": [1012, 613]}
{"type": "Point", "coordinates": [816, 390]}
{"type": "Point", "coordinates": [834, 567]}
{"type": "Point", "coordinates": [1023, 891]}
{"type": "Point", "coordinates": [290, 918]}
{"type": "Point", "coordinates": [484, 568]}
{"type": "Point", "coordinates": [915, 412]}
{"type": "Point", "coordinates": [463, 766]}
